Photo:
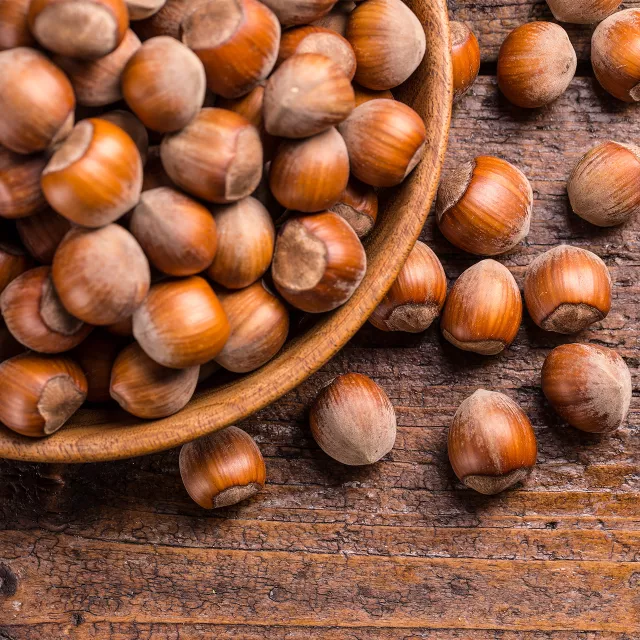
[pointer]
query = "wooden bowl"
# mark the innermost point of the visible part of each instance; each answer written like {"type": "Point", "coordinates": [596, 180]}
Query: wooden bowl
{"type": "Point", "coordinates": [109, 434]}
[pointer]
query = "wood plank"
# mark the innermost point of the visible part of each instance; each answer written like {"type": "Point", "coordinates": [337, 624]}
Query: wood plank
{"type": "Point", "coordinates": [59, 575]}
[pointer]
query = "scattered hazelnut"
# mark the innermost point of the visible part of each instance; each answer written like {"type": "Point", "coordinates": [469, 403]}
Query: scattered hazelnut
{"type": "Point", "coordinates": [246, 237]}
{"type": "Point", "coordinates": [292, 12]}
{"type": "Point", "coordinates": [536, 63]}
{"type": "Point", "coordinates": [37, 101]}
{"type": "Point", "coordinates": [385, 140]}
{"type": "Point", "coordinates": [318, 262]}
{"type": "Point", "coordinates": [101, 275]}
{"type": "Point", "coordinates": [39, 393]}
{"type": "Point", "coordinates": [388, 40]}
{"type": "Point", "coordinates": [484, 309]}
{"type": "Point", "coordinates": [582, 11]}
{"type": "Point", "coordinates": [566, 289]}
{"type": "Point", "coordinates": [20, 192]}
{"type": "Point", "coordinates": [231, 173]}
{"type": "Point", "coordinates": [259, 327]}
{"type": "Point", "coordinates": [416, 297]}
{"type": "Point", "coordinates": [311, 174]}
{"type": "Point", "coordinates": [353, 420]}
{"type": "Point", "coordinates": [465, 57]}
{"type": "Point", "coordinates": [181, 323]}
{"type": "Point", "coordinates": [358, 205]}
{"type": "Point", "coordinates": [41, 233]}
{"type": "Point", "coordinates": [177, 234]}
{"type": "Point", "coordinates": [484, 206]}
{"type": "Point", "coordinates": [148, 390]}
{"type": "Point", "coordinates": [222, 468]}
{"type": "Point", "coordinates": [491, 443]}
{"type": "Point", "coordinates": [306, 95]}
{"type": "Point", "coordinates": [14, 26]}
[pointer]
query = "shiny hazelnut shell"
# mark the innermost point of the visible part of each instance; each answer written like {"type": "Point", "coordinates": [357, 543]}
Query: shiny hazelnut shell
{"type": "Point", "coordinates": [132, 126]}
{"type": "Point", "coordinates": [465, 58]}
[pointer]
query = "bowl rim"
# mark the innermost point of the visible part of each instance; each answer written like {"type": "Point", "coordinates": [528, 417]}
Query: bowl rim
{"type": "Point", "coordinates": [97, 435]}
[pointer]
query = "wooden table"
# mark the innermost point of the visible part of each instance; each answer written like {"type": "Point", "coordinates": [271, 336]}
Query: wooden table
{"type": "Point", "coordinates": [400, 549]}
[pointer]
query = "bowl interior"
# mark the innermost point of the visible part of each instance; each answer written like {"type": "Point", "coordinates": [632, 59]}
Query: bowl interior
{"type": "Point", "coordinates": [109, 434]}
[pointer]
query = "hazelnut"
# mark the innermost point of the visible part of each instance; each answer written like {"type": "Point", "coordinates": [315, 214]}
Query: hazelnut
{"type": "Point", "coordinates": [536, 63]}
{"type": "Point", "coordinates": [491, 443]}
{"type": "Point", "coordinates": [292, 12]}
{"type": "Point", "coordinates": [318, 262]}
{"type": "Point", "coordinates": [95, 176]}
{"type": "Point", "coordinates": [310, 39]}
{"type": "Point", "coordinates": [338, 18]}
{"type": "Point", "coordinates": [101, 275]}
{"type": "Point", "coordinates": [484, 309]}
{"type": "Point", "coordinates": [97, 82]}
{"type": "Point", "coordinates": [13, 262]}
{"type": "Point", "coordinates": [246, 237]}
{"type": "Point", "coordinates": [353, 420]}
{"type": "Point", "coordinates": [416, 297]}
{"type": "Point", "coordinates": [306, 95]}
{"type": "Point", "coordinates": [465, 57]}
{"type": "Point", "coordinates": [589, 386]}
{"type": "Point", "coordinates": [566, 289]}
{"type": "Point", "coordinates": [602, 187]}
{"type": "Point", "coordinates": [358, 205]}
{"type": "Point", "coordinates": [79, 28]}
{"type": "Point", "coordinates": [39, 393]}
{"type": "Point", "coordinates": [20, 192]}
{"type": "Point", "coordinates": [311, 174]}
{"type": "Point", "coordinates": [582, 11]}
{"type": "Point", "coordinates": [231, 173]}
{"type": "Point", "coordinates": [133, 128]}
{"type": "Point", "coordinates": [385, 140]}
{"type": "Point", "coordinates": [41, 234]}
{"type": "Point", "coordinates": [615, 54]}
{"type": "Point", "coordinates": [388, 40]}
{"type": "Point", "coordinates": [37, 101]}
{"type": "Point", "coordinates": [164, 84]}
{"type": "Point", "coordinates": [222, 468]}
{"type": "Point", "coordinates": [96, 356]}
{"type": "Point", "coordinates": [365, 95]}
{"type": "Point", "coordinates": [148, 390]}
{"type": "Point", "coordinates": [223, 32]}
{"type": "Point", "coordinates": [181, 323]}
{"type": "Point", "coordinates": [259, 327]}
{"type": "Point", "coordinates": [484, 207]}
{"type": "Point", "coordinates": [35, 316]}
{"type": "Point", "coordinates": [14, 26]}
{"type": "Point", "coordinates": [143, 9]}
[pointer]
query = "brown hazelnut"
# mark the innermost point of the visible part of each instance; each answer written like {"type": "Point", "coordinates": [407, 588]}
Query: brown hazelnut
{"type": "Point", "coordinates": [484, 206]}
{"type": "Point", "coordinates": [222, 468]}
{"type": "Point", "coordinates": [582, 11]}
{"type": "Point", "coordinates": [148, 390]}
{"type": "Point", "coordinates": [353, 420]}
{"type": "Point", "coordinates": [143, 9]}
{"type": "Point", "coordinates": [484, 309]}
{"type": "Point", "coordinates": [101, 275]}
{"type": "Point", "coordinates": [536, 63]}
{"type": "Point", "coordinates": [306, 95]}
{"type": "Point", "coordinates": [181, 323]}
{"type": "Point", "coordinates": [177, 233]}
{"type": "Point", "coordinates": [97, 82]}
{"type": "Point", "coordinates": [133, 128]}
{"type": "Point", "coordinates": [318, 262]}
{"type": "Point", "coordinates": [20, 192]}
{"type": "Point", "coordinates": [13, 262]}
{"type": "Point", "coordinates": [465, 57]}
{"type": "Point", "coordinates": [14, 26]}
{"type": "Point", "coordinates": [246, 237]}
{"type": "Point", "coordinates": [589, 386]}
{"type": "Point", "coordinates": [79, 28]}
{"type": "Point", "coordinates": [567, 289]}
{"type": "Point", "coordinates": [602, 187]}
{"type": "Point", "coordinates": [259, 327]}
{"type": "Point", "coordinates": [491, 443]}
{"type": "Point", "coordinates": [164, 84]}
{"type": "Point", "coordinates": [310, 174]}
{"type": "Point", "coordinates": [388, 40]}
{"type": "Point", "coordinates": [231, 173]}
{"type": "Point", "coordinates": [416, 297]}
{"type": "Point", "coordinates": [358, 205]}
{"type": "Point", "coordinates": [96, 174]}
{"type": "Point", "coordinates": [39, 393]}
{"type": "Point", "coordinates": [386, 141]}
{"type": "Point", "coordinates": [38, 103]}
{"type": "Point", "coordinates": [41, 234]}
{"type": "Point", "coordinates": [224, 32]}
{"type": "Point", "coordinates": [35, 316]}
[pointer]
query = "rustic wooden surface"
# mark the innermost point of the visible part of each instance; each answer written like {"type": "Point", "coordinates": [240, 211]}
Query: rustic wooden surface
{"type": "Point", "coordinates": [398, 550]}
